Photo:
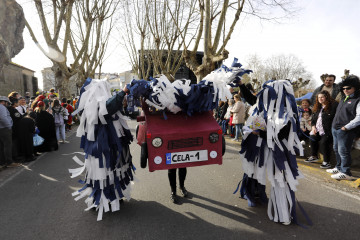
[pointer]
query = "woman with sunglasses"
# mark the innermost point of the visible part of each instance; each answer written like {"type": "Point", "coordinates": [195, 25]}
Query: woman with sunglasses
{"type": "Point", "coordinates": [345, 127]}
{"type": "Point", "coordinates": [320, 134]}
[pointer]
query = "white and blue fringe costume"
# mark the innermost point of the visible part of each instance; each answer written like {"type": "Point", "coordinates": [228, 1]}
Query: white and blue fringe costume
{"type": "Point", "coordinates": [105, 139]}
{"type": "Point", "coordinates": [105, 136]}
{"type": "Point", "coordinates": [272, 153]}
{"type": "Point", "coordinates": [180, 95]}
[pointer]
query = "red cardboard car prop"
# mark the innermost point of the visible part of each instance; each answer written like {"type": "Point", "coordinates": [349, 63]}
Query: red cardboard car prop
{"type": "Point", "coordinates": [179, 141]}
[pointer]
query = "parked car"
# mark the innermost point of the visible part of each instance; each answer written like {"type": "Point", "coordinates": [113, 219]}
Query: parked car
{"type": "Point", "coordinates": [178, 140]}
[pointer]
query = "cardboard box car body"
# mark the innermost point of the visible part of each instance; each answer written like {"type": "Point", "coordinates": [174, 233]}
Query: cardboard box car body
{"type": "Point", "coordinates": [178, 141]}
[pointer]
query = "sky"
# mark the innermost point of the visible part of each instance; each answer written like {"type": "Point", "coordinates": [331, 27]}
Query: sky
{"type": "Point", "coordinates": [324, 35]}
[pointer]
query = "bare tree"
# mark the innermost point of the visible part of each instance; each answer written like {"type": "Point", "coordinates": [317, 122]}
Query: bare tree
{"type": "Point", "coordinates": [285, 67]}
{"type": "Point", "coordinates": [279, 67]}
{"type": "Point", "coordinates": [217, 23]}
{"type": "Point", "coordinates": [255, 63]}
{"type": "Point", "coordinates": [153, 40]}
{"type": "Point", "coordinates": [83, 27]}
{"type": "Point", "coordinates": [156, 32]}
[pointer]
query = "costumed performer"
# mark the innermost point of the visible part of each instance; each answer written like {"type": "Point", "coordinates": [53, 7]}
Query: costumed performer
{"type": "Point", "coordinates": [105, 138]}
{"type": "Point", "coordinates": [269, 147]}
{"type": "Point", "coordinates": [180, 95]}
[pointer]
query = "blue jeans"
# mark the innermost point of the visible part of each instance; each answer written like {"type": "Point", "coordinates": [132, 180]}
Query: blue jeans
{"type": "Point", "coordinates": [343, 141]}
{"type": "Point", "coordinates": [60, 132]}
{"type": "Point", "coordinates": [238, 130]}
{"type": "Point", "coordinates": [224, 125]}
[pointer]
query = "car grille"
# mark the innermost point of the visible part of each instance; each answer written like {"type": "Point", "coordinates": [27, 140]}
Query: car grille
{"type": "Point", "coordinates": [185, 143]}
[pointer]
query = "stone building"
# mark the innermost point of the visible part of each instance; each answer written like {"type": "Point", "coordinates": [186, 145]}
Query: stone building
{"type": "Point", "coordinates": [14, 77]}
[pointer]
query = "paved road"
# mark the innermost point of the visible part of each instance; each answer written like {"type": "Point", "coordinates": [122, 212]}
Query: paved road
{"type": "Point", "coordinates": [36, 203]}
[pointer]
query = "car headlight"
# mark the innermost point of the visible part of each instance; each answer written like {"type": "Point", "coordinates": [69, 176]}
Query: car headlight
{"type": "Point", "coordinates": [157, 142]}
{"type": "Point", "coordinates": [214, 137]}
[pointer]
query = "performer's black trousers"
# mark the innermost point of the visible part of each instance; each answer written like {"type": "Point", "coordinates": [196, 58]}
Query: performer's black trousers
{"type": "Point", "coordinates": [172, 178]}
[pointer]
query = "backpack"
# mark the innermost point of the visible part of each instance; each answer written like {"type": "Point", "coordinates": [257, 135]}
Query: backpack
{"type": "Point", "coordinates": [59, 120]}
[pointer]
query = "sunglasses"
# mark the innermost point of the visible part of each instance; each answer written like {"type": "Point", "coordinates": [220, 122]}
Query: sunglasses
{"type": "Point", "coordinates": [346, 88]}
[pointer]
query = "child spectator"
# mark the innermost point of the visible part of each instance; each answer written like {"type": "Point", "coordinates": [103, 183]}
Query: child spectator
{"type": "Point", "coordinates": [305, 105]}
{"type": "Point", "coordinates": [305, 125]}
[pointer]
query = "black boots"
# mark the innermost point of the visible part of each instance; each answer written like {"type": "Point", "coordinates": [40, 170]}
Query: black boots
{"type": "Point", "coordinates": [174, 197]}
{"type": "Point", "coordinates": [183, 191]}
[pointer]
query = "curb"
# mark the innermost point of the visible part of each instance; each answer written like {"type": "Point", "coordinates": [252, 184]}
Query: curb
{"type": "Point", "coordinates": [310, 166]}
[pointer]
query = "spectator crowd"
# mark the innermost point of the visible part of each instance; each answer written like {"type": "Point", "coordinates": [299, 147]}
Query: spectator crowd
{"type": "Point", "coordinates": [329, 121]}
{"type": "Point", "coordinates": [23, 117]}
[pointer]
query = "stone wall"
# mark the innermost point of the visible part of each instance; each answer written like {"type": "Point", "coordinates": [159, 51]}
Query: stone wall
{"type": "Point", "coordinates": [17, 78]}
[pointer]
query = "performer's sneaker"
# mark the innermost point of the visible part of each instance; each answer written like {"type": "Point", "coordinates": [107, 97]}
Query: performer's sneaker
{"type": "Point", "coordinates": [312, 159]}
{"type": "Point", "coordinates": [287, 223]}
{"type": "Point", "coordinates": [174, 198]}
{"type": "Point", "coordinates": [325, 165]}
{"type": "Point", "coordinates": [183, 191]}
{"type": "Point", "coordinates": [341, 176]}
{"type": "Point", "coordinates": [333, 170]}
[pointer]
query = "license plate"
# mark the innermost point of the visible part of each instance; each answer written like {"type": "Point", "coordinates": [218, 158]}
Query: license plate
{"type": "Point", "coordinates": [185, 157]}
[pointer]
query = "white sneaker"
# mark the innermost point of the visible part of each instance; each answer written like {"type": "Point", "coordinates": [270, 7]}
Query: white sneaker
{"type": "Point", "coordinates": [287, 223]}
{"type": "Point", "coordinates": [341, 176]}
{"type": "Point", "coordinates": [333, 170]}
{"type": "Point", "coordinates": [311, 159]}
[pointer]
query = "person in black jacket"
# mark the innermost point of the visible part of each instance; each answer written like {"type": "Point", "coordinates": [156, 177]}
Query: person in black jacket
{"type": "Point", "coordinates": [345, 127]}
{"type": "Point", "coordinates": [223, 111]}
{"type": "Point", "coordinates": [15, 116]}
{"type": "Point", "coordinates": [26, 130]}
{"type": "Point", "coordinates": [46, 125]}
{"type": "Point", "coordinates": [321, 137]}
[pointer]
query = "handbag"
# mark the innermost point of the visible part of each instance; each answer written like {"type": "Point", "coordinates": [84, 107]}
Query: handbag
{"type": "Point", "coordinates": [37, 140]}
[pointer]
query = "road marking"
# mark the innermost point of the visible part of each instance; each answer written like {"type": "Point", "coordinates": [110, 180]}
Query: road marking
{"type": "Point", "coordinates": [25, 167]}
{"type": "Point", "coordinates": [311, 179]}
{"type": "Point", "coordinates": [308, 177]}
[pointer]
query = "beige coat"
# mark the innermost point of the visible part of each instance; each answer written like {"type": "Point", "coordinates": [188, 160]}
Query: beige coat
{"type": "Point", "coordinates": [238, 113]}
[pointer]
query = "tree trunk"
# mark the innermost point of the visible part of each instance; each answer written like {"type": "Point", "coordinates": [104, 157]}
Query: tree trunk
{"type": "Point", "coordinates": [62, 82]}
{"type": "Point", "coordinates": [204, 69]}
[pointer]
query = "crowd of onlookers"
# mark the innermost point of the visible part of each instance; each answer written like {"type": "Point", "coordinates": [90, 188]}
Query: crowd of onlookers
{"type": "Point", "coordinates": [329, 121]}
{"type": "Point", "coordinates": [232, 114]}
{"type": "Point", "coordinates": [21, 117]}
